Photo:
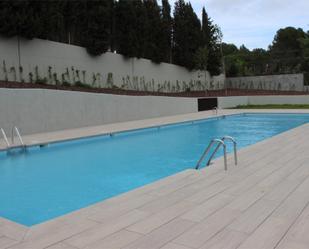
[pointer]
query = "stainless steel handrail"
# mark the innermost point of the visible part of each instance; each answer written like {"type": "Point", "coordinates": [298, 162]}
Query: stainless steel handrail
{"type": "Point", "coordinates": [220, 143]}
{"type": "Point", "coordinates": [18, 135]}
{"type": "Point", "coordinates": [234, 145]}
{"type": "Point", "coordinates": [5, 138]}
{"type": "Point", "coordinates": [216, 149]}
{"type": "Point", "coordinates": [215, 110]}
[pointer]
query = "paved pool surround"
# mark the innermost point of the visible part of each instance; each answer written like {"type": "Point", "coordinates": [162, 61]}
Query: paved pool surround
{"type": "Point", "coordinates": [261, 203]}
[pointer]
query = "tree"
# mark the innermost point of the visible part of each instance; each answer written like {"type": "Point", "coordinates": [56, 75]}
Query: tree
{"type": "Point", "coordinates": [19, 18]}
{"type": "Point", "coordinates": [186, 34]}
{"type": "Point", "coordinates": [305, 53]}
{"type": "Point", "coordinates": [53, 17]}
{"type": "Point", "coordinates": [134, 28]}
{"type": "Point", "coordinates": [211, 38]}
{"type": "Point", "coordinates": [287, 40]}
{"type": "Point", "coordinates": [201, 58]}
{"type": "Point", "coordinates": [286, 50]}
{"type": "Point", "coordinates": [228, 49]}
{"type": "Point", "coordinates": [97, 36]}
{"type": "Point", "coordinates": [153, 30]}
{"type": "Point", "coordinates": [166, 30]}
{"type": "Point", "coordinates": [130, 28]}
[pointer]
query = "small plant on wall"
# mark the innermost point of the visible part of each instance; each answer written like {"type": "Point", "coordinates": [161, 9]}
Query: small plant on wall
{"type": "Point", "coordinates": [36, 72]}
{"type": "Point", "coordinates": [98, 77]}
{"type": "Point", "coordinates": [38, 79]}
{"type": "Point", "coordinates": [31, 77]}
{"type": "Point", "coordinates": [110, 80]}
{"type": "Point", "coordinates": [5, 71]}
{"type": "Point", "coordinates": [73, 75]}
{"type": "Point", "coordinates": [13, 72]}
{"type": "Point", "coordinates": [84, 76]}
{"type": "Point", "coordinates": [77, 75]}
{"type": "Point", "coordinates": [67, 73]}
{"type": "Point", "coordinates": [94, 79]}
{"type": "Point", "coordinates": [21, 77]}
{"type": "Point", "coordinates": [50, 75]}
{"type": "Point", "coordinates": [55, 78]}
{"type": "Point", "coordinates": [64, 82]}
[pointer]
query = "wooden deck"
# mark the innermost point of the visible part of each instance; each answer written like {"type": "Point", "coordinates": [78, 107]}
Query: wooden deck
{"type": "Point", "coordinates": [261, 203]}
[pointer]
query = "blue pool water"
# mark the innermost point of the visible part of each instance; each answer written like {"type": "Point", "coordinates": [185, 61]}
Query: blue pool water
{"type": "Point", "coordinates": [48, 182]}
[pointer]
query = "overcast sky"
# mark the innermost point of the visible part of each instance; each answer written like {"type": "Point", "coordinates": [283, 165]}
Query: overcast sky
{"type": "Point", "coordinates": [254, 22]}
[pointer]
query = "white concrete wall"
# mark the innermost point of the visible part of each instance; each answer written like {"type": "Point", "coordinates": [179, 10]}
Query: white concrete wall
{"type": "Point", "coordinates": [229, 102]}
{"type": "Point", "coordinates": [38, 110]}
{"type": "Point", "coordinates": [54, 61]}
{"type": "Point", "coordinates": [284, 82]}
{"type": "Point", "coordinates": [264, 100]}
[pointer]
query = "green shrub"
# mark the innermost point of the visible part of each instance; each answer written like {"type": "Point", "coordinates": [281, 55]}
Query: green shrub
{"type": "Point", "coordinates": [66, 84]}
{"type": "Point", "coordinates": [41, 81]}
{"type": "Point", "coordinates": [80, 84]}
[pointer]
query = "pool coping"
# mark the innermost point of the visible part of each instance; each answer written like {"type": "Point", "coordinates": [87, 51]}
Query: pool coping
{"type": "Point", "coordinates": [112, 128]}
{"type": "Point", "coordinates": [6, 224]}
{"type": "Point", "coordinates": [43, 139]}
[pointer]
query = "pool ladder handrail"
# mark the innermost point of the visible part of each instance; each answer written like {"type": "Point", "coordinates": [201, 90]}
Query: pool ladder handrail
{"type": "Point", "coordinates": [15, 130]}
{"type": "Point", "coordinates": [219, 142]}
{"type": "Point", "coordinates": [5, 138]}
{"type": "Point", "coordinates": [215, 111]}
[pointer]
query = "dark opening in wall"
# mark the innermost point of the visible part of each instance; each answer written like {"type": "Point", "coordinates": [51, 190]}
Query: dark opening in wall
{"type": "Point", "coordinates": [207, 104]}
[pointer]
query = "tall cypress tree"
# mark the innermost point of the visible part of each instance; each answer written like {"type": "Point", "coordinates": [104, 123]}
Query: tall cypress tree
{"type": "Point", "coordinates": [7, 23]}
{"type": "Point", "coordinates": [52, 18]}
{"type": "Point", "coordinates": [153, 30]}
{"type": "Point", "coordinates": [211, 40]}
{"type": "Point", "coordinates": [186, 35]}
{"type": "Point", "coordinates": [19, 18]}
{"type": "Point", "coordinates": [130, 28]}
{"type": "Point", "coordinates": [97, 36]}
{"type": "Point", "coordinates": [135, 28]}
{"type": "Point", "coordinates": [206, 28]}
{"type": "Point", "coordinates": [166, 29]}
{"type": "Point", "coordinates": [75, 20]}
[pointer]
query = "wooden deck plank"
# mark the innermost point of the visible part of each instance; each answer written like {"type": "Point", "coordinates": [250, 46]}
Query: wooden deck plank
{"type": "Point", "coordinates": [203, 231]}
{"type": "Point", "coordinates": [162, 235]}
{"type": "Point", "coordinates": [155, 221]}
{"type": "Point", "coordinates": [226, 239]}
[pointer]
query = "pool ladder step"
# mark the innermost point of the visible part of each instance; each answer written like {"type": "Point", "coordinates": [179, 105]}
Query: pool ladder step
{"type": "Point", "coordinates": [15, 131]}
{"type": "Point", "coordinates": [219, 143]}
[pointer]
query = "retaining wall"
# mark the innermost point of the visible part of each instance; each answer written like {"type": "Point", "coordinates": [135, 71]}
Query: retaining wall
{"type": "Point", "coordinates": [38, 110]}
{"type": "Point", "coordinates": [283, 82]}
{"type": "Point", "coordinates": [57, 63]}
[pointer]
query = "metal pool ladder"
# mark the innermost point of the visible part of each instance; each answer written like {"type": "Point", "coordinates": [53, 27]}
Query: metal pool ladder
{"type": "Point", "coordinates": [5, 138]}
{"type": "Point", "coordinates": [219, 142]}
{"type": "Point", "coordinates": [215, 111]}
{"type": "Point", "coordinates": [15, 130]}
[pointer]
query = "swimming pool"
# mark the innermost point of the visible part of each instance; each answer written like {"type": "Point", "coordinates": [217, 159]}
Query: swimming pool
{"type": "Point", "coordinates": [51, 181]}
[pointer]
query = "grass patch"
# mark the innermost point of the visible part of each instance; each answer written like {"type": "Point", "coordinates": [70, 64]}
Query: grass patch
{"type": "Point", "coordinates": [286, 106]}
